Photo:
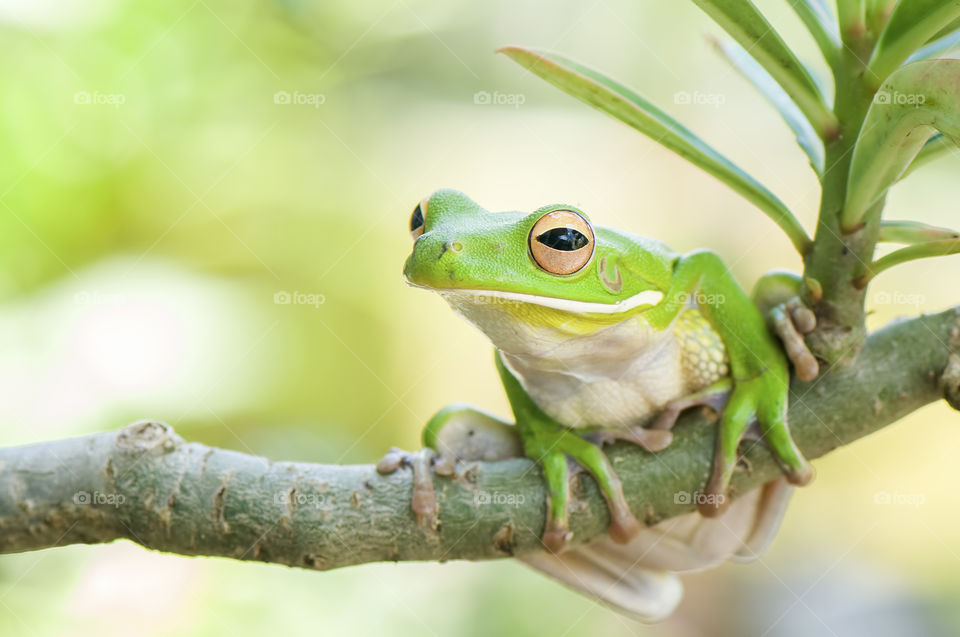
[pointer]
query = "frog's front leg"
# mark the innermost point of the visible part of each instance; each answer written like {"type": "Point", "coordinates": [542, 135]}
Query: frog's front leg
{"type": "Point", "coordinates": [549, 444]}
{"type": "Point", "coordinates": [758, 370]}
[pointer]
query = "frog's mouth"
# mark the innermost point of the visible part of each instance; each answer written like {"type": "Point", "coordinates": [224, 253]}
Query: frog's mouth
{"type": "Point", "coordinates": [645, 298]}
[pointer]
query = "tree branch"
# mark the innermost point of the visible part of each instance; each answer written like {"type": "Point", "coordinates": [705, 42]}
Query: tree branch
{"type": "Point", "coordinates": [145, 484]}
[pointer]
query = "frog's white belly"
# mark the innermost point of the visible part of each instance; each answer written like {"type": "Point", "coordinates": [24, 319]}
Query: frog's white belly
{"type": "Point", "coordinates": [616, 376]}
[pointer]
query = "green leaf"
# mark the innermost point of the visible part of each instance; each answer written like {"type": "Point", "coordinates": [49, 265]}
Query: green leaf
{"type": "Point", "coordinates": [937, 47]}
{"type": "Point", "coordinates": [936, 146]}
{"type": "Point", "coordinates": [915, 102]}
{"type": "Point", "coordinates": [910, 253]}
{"type": "Point", "coordinates": [822, 25]}
{"type": "Point", "coordinates": [811, 144]}
{"type": "Point", "coordinates": [911, 232]}
{"type": "Point", "coordinates": [851, 15]}
{"type": "Point", "coordinates": [745, 24]}
{"type": "Point", "coordinates": [911, 25]}
{"type": "Point", "coordinates": [623, 103]}
{"type": "Point", "coordinates": [877, 12]}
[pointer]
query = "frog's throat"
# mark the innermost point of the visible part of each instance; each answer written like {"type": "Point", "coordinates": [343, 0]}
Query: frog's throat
{"type": "Point", "coordinates": [645, 298]}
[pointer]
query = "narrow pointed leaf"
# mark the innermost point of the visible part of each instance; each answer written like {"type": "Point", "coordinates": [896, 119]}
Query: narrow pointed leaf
{"type": "Point", "coordinates": [937, 47]}
{"type": "Point", "coordinates": [910, 253]}
{"type": "Point", "coordinates": [915, 102]}
{"type": "Point", "coordinates": [822, 25]}
{"type": "Point", "coordinates": [911, 232]}
{"type": "Point", "coordinates": [911, 26]}
{"type": "Point", "coordinates": [623, 103]}
{"type": "Point", "coordinates": [811, 144]}
{"type": "Point", "coordinates": [745, 24]}
{"type": "Point", "coordinates": [851, 16]}
{"type": "Point", "coordinates": [877, 12]}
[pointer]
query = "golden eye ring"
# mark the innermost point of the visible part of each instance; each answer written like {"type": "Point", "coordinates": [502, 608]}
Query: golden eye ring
{"type": "Point", "coordinates": [561, 242]}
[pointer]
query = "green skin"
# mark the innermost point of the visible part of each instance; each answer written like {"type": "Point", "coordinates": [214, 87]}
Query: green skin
{"type": "Point", "coordinates": [465, 247]}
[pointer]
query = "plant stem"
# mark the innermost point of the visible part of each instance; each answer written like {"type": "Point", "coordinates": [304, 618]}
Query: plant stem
{"type": "Point", "coordinates": [838, 258]}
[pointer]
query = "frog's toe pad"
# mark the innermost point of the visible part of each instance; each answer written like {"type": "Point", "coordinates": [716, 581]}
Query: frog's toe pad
{"type": "Point", "coordinates": [649, 438]}
{"type": "Point", "coordinates": [624, 528]}
{"type": "Point", "coordinates": [800, 477]}
{"type": "Point", "coordinates": [714, 505]}
{"type": "Point", "coordinates": [391, 461]}
{"type": "Point", "coordinates": [556, 538]}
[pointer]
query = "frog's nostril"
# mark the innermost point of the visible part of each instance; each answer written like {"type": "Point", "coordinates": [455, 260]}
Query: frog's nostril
{"type": "Point", "coordinates": [453, 247]}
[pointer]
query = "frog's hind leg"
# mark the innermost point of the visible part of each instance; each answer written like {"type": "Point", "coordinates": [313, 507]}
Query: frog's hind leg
{"type": "Point", "coordinates": [548, 443]}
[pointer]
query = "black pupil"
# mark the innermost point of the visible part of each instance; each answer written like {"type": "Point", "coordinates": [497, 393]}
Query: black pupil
{"type": "Point", "coordinates": [566, 239]}
{"type": "Point", "coordinates": [416, 220]}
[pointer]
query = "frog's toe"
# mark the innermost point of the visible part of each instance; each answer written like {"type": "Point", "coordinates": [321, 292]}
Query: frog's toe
{"type": "Point", "coordinates": [556, 537]}
{"type": "Point", "coordinates": [715, 499]}
{"type": "Point", "coordinates": [556, 473]}
{"type": "Point", "coordinates": [648, 438]}
{"type": "Point", "coordinates": [715, 397]}
{"type": "Point", "coordinates": [423, 501]}
{"type": "Point", "coordinates": [801, 476]}
{"type": "Point", "coordinates": [803, 317]}
{"type": "Point", "coordinates": [391, 461]}
{"type": "Point", "coordinates": [791, 320]}
{"type": "Point", "coordinates": [773, 424]}
{"type": "Point", "coordinates": [445, 466]}
{"type": "Point", "coordinates": [623, 524]}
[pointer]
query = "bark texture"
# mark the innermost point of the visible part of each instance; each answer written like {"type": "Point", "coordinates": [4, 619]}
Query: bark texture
{"type": "Point", "coordinates": [146, 484]}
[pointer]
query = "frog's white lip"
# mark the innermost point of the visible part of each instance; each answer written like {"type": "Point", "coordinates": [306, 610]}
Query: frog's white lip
{"type": "Point", "coordinates": [647, 297]}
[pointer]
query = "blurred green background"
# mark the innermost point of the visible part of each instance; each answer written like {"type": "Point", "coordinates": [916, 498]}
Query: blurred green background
{"type": "Point", "coordinates": [169, 169]}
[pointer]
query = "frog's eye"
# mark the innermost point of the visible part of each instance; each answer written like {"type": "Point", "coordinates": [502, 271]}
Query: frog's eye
{"type": "Point", "coordinates": [561, 242]}
{"type": "Point", "coordinates": [416, 220]}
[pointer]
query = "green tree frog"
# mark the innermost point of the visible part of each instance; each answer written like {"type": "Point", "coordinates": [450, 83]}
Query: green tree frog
{"type": "Point", "coordinates": [600, 335]}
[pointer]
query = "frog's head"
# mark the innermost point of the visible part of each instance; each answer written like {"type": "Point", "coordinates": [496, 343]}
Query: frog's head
{"type": "Point", "coordinates": [552, 258]}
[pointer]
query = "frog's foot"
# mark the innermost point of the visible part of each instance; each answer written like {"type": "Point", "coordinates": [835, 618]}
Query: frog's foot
{"type": "Point", "coordinates": [761, 400]}
{"type": "Point", "coordinates": [791, 320]}
{"type": "Point", "coordinates": [424, 500]}
{"type": "Point", "coordinates": [551, 445]}
{"type": "Point", "coordinates": [657, 436]}
{"type": "Point", "coordinates": [650, 439]}
{"type": "Point", "coordinates": [715, 397]}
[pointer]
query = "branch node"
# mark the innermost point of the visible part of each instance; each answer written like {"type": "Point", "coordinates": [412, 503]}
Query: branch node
{"type": "Point", "coordinates": [149, 436]}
